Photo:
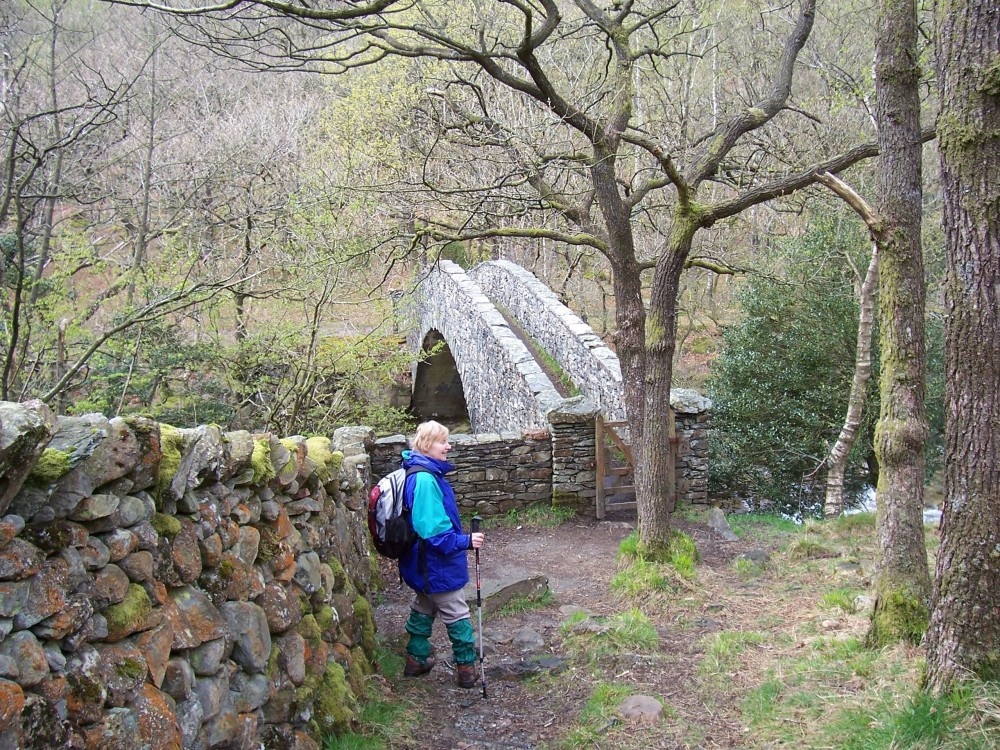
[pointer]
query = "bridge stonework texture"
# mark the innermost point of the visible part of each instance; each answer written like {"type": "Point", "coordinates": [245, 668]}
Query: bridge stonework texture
{"type": "Point", "coordinates": [580, 352]}
{"type": "Point", "coordinates": [165, 588]}
{"type": "Point", "coordinates": [490, 358]}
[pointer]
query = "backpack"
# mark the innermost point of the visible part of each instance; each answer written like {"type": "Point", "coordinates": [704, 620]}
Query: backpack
{"type": "Point", "coordinates": [388, 515]}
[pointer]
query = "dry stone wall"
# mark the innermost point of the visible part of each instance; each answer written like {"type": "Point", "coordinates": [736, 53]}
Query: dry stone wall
{"type": "Point", "coordinates": [496, 472]}
{"type": "Point", "coordinates": [692, 414]}
{"type": "Point", "coordinates": [164, 588]}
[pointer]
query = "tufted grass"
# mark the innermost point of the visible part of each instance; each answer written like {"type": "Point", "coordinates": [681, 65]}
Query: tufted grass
{"type": "Point", "coordinates": [535, 516]}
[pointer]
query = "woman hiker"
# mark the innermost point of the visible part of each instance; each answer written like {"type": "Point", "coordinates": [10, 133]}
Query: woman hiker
{"type": "Point", "coordinates": [436, 568]}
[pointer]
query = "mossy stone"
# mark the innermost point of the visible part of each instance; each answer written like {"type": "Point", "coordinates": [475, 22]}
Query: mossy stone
{"type": "Point", "coordinates": [334, 704]}
{"type": "Point", "coordinates": [318, 449]}
{"type": "Point", "coordinates": [339, 574]}
{"type": "Point", "coordinates": [363, 613]}
{"type": "Point", "coordinates": [52, 464]}
{"type": "Point", "coordinates": [273, 662]}
{"type": "Point", "coordinates": [260, 461]}
{"type": "Point", "coordinates": [326, 617]}
{"type": "Point", "coordinates": [899, 616]}
{"type": "Point", "coordinates": [359, 671]}
{"type": "Point", "coordinates": [166, 525]}
{"type": "Point", "coordinates": [126, 613]}
{"type": "Point", "coordinates": [131, 668]}
{"type": "Point", "coordinates": [309, 629]}
{"type": "Point", "coordinates": [171, 447]}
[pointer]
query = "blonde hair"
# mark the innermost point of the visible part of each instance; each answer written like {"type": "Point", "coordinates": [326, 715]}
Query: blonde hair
{"type": "Point", "coordinates": [429, 433]}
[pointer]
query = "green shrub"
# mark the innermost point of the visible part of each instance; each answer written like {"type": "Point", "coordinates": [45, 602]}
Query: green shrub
{"type": "Point", "coordinates": [780, 384]}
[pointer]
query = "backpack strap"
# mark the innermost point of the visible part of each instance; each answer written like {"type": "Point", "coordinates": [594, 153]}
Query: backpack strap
{"type": "Point", "coordinates": [421, 544]}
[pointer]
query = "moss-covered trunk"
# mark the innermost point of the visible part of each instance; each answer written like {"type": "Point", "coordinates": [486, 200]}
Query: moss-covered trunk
{"type": "Point", "coordinates": [902, 579]}
{"type": "Point", "coordinates": [964, 635]}
{"type": "Point", "coordinates": [654, 495]}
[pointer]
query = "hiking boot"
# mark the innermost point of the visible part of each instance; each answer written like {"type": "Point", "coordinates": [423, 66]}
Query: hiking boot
{"type": "Point", "coordinates": [416, 668]}
{"type": "Point", "coordinates": [466, 675]}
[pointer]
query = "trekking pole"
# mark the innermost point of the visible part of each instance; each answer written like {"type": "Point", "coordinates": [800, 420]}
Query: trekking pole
{"type": "Point", "coordinates": [476, 520]}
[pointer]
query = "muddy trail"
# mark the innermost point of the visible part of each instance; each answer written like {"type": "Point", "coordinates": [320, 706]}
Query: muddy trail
{"type": "Point", "coordinates": [536, 689]}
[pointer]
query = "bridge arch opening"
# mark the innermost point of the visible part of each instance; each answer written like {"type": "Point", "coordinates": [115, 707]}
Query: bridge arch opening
{"type": "Point", "coordinates": [437, 386]}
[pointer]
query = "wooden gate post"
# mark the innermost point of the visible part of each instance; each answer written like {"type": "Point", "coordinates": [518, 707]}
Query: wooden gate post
{"type": "Point", "coordinates": [600, 467]}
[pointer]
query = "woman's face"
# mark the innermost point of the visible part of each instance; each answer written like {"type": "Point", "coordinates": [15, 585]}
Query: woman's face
{"type": "Point", "coordinates": [438, 449]}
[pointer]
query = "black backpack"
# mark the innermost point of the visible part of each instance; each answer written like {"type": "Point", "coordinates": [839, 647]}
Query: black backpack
{"type": "Point", "coordinates": [389, 517]}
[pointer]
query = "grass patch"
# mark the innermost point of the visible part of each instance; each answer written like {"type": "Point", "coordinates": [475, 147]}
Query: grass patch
{"type": "Point", "coordinates": [538, 515]}
{"type": "Point", "coordinates": [381, 724]}
{"type": "Point", "coordinates": [842, 599]}
{"type": "Point", "coordinates": [828, 690]}
{"type": "Point", "coordinates": [683, 554]}
{"type": "Point", "coordinates": [723, 651]}
{"type": "Point", "coordinates": [809, 549]}
{"type": "Point", "coordinates": [852, 524]}
{"type": "Point", "coordinates": [629, 546]}
{"type": "Point", "coordinates": [599, 715]}
{"type": "Point", "coordinates": [760, 705]}
{"type": "Point", "coordinates": [553, 367]}
{"type": "Point", "coordinates": [966, 719]}
{"type": "Point", "coordinates": [747, 568]}
{"type": "Point", "coordinates": [640, 578]}
{"type": "Point", "coordinates": [761, 526]}
{"type": "Point", "coordinates": [383, 721]}
{"type": "Point", "coordinates": [521, 604]}
{"type": "Point", "coordinates": [390, 664]}
{"type": "Point", "coordinates": [630, 631]}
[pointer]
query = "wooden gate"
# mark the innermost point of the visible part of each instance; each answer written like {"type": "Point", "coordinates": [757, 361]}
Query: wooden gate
{"type": "Point", "coordinates": [616, 466]}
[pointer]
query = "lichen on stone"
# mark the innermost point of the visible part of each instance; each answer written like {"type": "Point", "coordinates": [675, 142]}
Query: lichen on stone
{"type": "Point", "coordinates": [166, 525]}
{"type": "Point", "coordinates": [363, 613]}
{"type": "Point", "coordinates": [263, 469]}
{"type": "Point", "coordinates": [334, 704]}
{"type": "Point", "coordinates": [51, 465]}
{"type": "Point", "coordinates": [318, 450]}
{"type": "Point", "coordinates": [50, 537]}
{"type": "Point", "coordinates": [133, 608]}
{"type": "Point", "coordinates": [171, 445]}
{"type": "Point", "coordinates": [269, 544]}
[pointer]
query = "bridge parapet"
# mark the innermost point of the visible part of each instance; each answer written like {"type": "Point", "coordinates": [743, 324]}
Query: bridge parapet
{"type": "Point", "coordinates": [580, 352]}
{"type": "Point", "coordinates": [511, 391]}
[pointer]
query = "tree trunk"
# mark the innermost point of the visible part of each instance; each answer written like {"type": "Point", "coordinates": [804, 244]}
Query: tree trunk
{"type": "Point", "coordinates": [833, 505]}
{"type": "Point", "coordinates": [902, 580]}
{"type": "Point", "coordinates": [653, 474]}
{"type": "Point", "coordinates": [142, 232]}
{"type": "Point", "coordinates": [965, 621]}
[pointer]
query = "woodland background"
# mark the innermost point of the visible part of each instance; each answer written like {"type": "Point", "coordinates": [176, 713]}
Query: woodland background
{"type": "Point", "coordinates": [187, 237]}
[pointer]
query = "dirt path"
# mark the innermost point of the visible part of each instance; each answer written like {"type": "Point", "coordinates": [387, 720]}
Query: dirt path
{"type": "Point", "coordinates": [579, 559]}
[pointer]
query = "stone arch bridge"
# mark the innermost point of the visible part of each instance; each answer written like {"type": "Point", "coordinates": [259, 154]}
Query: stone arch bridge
{"type": "Point", "coordinates": [492, 321]}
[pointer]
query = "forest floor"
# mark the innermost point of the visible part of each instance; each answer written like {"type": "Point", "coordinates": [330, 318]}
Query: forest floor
{"type": "Point", "coordinates": [716, 637]}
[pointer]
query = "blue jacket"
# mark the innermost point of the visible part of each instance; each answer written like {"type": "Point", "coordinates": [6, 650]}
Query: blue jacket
{"type": "Point", "coordinates": [434, 513]}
